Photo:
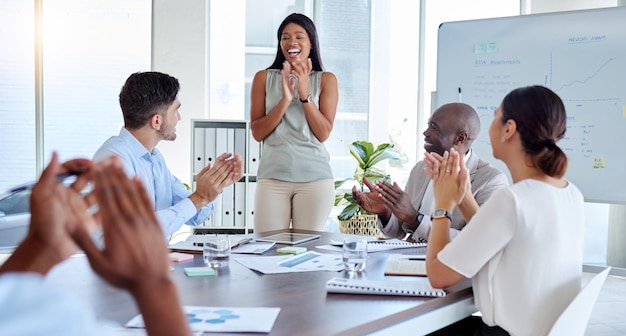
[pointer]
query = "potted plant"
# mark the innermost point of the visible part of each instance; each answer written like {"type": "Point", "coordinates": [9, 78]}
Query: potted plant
{"type": "Point", "coordinates": [354, 219]}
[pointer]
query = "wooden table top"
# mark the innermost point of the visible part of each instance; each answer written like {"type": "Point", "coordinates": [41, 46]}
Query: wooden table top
{"type": "Point", "coordinates": [306, 308]}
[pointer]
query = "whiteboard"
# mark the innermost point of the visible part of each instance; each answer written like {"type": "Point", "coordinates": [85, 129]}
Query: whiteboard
{"type": "Point", "coordinates": [580, 55]}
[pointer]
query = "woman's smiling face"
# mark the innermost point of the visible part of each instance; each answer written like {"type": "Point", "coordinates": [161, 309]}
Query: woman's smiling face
{"type": "Point", "coordinates": [295, 43]}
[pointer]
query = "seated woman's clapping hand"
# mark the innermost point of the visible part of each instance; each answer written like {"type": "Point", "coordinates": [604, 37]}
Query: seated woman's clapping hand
{"type": "Point", "coordinates": [450, 177]}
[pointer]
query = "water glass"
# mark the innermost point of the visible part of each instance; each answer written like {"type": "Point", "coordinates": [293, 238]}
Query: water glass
{"type": "Point", "coordinates": [354, 254]}
{"type": "Point", "coordinates": [216, 251]}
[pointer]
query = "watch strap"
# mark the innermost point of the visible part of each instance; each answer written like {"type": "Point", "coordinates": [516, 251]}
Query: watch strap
{"type": "Point", "coordinates": [307, 100]}
{"type": "Point", "coordinates": [441, 213]}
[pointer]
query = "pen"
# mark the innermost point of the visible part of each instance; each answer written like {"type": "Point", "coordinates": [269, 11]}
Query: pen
{"type": "Point", "coordinates": [243, 242]}
{"type": "Point", "coordinates": [202, 244]}
{"type": "Point", "coordinates": [417, 258]}
{"type": "Point", "coordinates": [460, 100]}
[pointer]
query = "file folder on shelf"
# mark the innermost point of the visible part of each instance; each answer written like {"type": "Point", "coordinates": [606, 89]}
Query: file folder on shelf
{"type": "Point", "coordinates": [211, 138]}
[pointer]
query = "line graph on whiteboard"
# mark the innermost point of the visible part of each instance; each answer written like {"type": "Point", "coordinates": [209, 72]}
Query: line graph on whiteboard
{"type": "Point", "coordinates": [580, 55]}
{"type": "Point", "coordinates": [582, 87]}
{"type": "Point", "coordinates": [584, 92]}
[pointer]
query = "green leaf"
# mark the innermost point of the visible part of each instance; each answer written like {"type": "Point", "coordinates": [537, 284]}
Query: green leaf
{"type": "Point", "coordinates": [375, 175]}
{"type": "Point", "coordinates": [368, 147]}
{"type": "Point", "coordinates": [342, 198]}
{"type": "Point", "coordinates": [339, 183]}
{"type": "Point", "coordinates": [358, 176]}
{"type": "Point", "coordinates": [349, 211]}
{"type": "Point", "coordinates": [359, 153]}
{"type": "Point", "coordinates": [366, 156]}
{"type": "Point", "coordinates": [383, 152]}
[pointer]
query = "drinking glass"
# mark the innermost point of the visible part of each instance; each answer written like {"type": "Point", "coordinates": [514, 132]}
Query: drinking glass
{"type": "Point", "coordinates": [216, 251]}
{"type": "Point", "coordinates": [354, 254]}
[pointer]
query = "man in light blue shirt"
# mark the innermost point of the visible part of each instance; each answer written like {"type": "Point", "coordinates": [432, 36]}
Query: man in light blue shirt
{"type": "Point", "coordinates": [150, 108]}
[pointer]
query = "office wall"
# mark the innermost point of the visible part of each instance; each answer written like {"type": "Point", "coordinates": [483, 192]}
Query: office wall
{"type": "Point", "coordinates": [179, 48]}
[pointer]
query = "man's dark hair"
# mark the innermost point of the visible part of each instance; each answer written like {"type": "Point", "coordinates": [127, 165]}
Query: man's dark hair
{"type": "Point", "coordinates": [145, 94]}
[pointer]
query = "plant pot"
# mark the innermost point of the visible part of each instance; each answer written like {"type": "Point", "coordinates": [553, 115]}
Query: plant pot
{"type": "Point", "coordinates": [362, 225]}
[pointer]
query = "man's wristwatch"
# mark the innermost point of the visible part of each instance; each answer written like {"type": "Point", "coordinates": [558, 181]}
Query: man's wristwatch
{"type": "Point", "coordinates": [441, 213]}
{"type": "Point", "coordinates": [307, 100]}
{"type": "Point", "coordinates": [419, 219]}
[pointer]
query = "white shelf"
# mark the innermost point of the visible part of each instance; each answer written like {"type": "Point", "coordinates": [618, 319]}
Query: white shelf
{"type": "Point", "coordinates": [234, 208]}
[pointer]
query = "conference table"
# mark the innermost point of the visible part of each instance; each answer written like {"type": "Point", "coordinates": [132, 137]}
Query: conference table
{"type": "Point", "coordinates": [306, 307]}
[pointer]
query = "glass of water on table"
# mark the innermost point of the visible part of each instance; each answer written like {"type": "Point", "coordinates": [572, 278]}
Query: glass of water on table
{"type": "Point", "coordinates": [216, 251]}
{"type": "Point", "coordinates": [354, 254]}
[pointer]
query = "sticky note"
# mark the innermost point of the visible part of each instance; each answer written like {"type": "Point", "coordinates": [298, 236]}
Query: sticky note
{"type": "Point", "coordinates": [480, 48]}
{"type": "Point", "coordinates": [199, 271]}
{"type": "Point", "coordinates": [624, 111]}
{"type": "Point", "coordinates": [178, 257]}
{"type": "Point", "coordinates": [291, 250]}
{"type": "Point", "coordinates": [599, 163]}
{"type": "Point", "coordinates": [492, 47]}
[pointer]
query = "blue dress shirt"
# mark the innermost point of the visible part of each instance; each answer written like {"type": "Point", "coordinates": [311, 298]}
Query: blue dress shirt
{"type": "Point", "coordinates": [169, 196]}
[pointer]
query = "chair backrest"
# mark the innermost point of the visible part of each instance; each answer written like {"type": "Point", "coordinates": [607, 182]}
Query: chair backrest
{"type": "Point", "coordinates": [573, 320]}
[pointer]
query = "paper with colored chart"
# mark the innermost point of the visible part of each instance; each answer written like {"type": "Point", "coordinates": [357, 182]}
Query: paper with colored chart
{"type": "Point", "coordinates": [304, 262]}
{"type": "Point", "coordinates": [224, 319]}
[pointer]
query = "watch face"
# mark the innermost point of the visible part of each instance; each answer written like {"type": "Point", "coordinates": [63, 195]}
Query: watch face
{"type": "Point", "coordinates": [441, 213]}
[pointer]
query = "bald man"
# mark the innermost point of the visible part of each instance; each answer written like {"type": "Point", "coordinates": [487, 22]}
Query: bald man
{"type": "Point", "coordinates": [406, 214]}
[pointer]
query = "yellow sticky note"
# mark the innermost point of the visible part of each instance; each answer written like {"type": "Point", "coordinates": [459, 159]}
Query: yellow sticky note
{"type": "Point", "coordinates": [599, 163]}
{"type": "Point", "coordinates": [624, 111]}
{"type": "Point", "coordinates": [291, 250]}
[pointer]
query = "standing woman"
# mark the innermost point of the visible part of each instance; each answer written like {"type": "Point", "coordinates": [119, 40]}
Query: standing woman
{"type": "Point", "coordinates": [522, 248]}
{"type": "Point", "coordinates": [293, 107]}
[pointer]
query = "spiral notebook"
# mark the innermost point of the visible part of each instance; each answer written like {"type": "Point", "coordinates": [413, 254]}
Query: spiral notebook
{"type": "Point", "coordinates": [374, 245]}
{"type": "Point", "coordinates": [382, 287]}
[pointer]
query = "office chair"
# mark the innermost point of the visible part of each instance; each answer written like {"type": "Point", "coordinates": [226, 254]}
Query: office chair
{"type": "Point", "coordinates": [573, 320]}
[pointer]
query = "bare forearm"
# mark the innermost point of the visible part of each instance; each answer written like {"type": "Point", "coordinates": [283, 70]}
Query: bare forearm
{"type": "Point", "coordinates": [440, 275]}
{"type": "Point", "coordinates": [264, 126]}
{"type": "Point", "coordinates": [439, 237]}
{"type": "Point", "coordinates": [161, 309]}
{"type": "Point", "coordinates": [320, 126]}
{"type": "Point", "coordinates": [321, 117]}
{"type": "Point", "coordinates": [468, 208]}
{"type": "Point", "coordinates": [31, 256]}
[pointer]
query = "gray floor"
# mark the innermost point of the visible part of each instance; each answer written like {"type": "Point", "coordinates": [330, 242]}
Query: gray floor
{"type": "Point", "coordinates": [608, 317]}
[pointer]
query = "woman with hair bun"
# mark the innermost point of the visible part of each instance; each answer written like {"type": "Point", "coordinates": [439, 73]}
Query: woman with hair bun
{"type": "Point", "coordinates": [523, 248]}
